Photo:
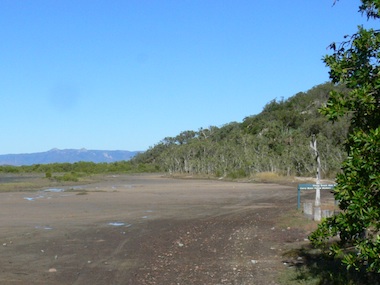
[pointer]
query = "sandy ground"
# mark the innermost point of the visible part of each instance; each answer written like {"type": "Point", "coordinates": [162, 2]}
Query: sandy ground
{"type": "Point", "coordinates": [147, 229]}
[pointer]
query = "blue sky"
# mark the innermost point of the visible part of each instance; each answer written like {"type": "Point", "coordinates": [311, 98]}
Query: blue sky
{"type": "Point", "coordinates": [100, 74]}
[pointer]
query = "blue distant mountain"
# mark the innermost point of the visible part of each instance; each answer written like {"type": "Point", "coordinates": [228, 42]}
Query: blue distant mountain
{"type": "Point", "coordinates": [66, 155]}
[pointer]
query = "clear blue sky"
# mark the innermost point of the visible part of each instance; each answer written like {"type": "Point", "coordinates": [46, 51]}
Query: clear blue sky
{"type": "Point", "coordinates": [123, 75]}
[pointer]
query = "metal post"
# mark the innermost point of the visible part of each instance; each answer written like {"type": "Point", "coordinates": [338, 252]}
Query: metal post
{"type": "Point", "coordinates": [298, 197]}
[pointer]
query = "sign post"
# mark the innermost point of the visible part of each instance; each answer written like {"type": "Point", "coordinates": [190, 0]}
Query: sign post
{"type": "Point", "coordinates": [311, 187]}
{"type": "Point", "coordinates": [317, 204]}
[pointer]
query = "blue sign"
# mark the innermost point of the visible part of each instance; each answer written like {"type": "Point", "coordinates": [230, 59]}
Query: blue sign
{"type": "Point", "coordinates": [311, 187]}
{"type": "Point", "coordinates": [314, 186]}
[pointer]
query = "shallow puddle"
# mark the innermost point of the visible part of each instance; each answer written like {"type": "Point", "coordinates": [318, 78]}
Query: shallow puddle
{"type": "Point", "coordinates": [29, 198]}
{"type": "Point", "coordinates": [44, 194]}
{"type": "Point", "coordinates": [119, 224]}
{"type": "Point", "coordinates": [55, 190]}
{"type": "Point", "coordinates": [34, 198]}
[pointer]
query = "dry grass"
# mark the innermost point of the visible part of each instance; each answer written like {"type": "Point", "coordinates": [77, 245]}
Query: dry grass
{"type": "Point", "coordinates": [33, 182]}
{"type": "Point", "coordinates": [272, 177]}
{"type": "Point", "coordinates": [296, 219]}
{"type": "Point", "coordinates": [11, 183]}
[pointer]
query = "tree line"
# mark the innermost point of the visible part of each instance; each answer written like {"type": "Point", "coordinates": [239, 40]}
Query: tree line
{"type": "Point", "coordinates": [81, 167]}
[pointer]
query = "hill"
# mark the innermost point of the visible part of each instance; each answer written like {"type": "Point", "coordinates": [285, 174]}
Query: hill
{"type": "Point", "coordinates": [66, 155]}
{"type": "Point", "coordinates": [277, 140]}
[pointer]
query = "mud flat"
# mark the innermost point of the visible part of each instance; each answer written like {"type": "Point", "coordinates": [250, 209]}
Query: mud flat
{"type": "Point", "coordinates": [146, 229]}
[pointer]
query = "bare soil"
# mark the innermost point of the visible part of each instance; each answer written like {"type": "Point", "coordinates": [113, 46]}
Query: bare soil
{"type": "Point", "coordinates": [148, 229]}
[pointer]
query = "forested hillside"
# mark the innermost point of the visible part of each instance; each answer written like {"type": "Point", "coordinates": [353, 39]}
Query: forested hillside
{"type": "Point", "coordinates": [276, 140]}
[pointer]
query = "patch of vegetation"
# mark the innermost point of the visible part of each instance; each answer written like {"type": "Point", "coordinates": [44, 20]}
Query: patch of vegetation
{"type": "Point", "coordinates": [79, 171]}
{"type": "Point", "coordinates": [71, 176]}
{"type": "Point", "coordinates": [238, 173]}
{"type": "Point", "coordinates": [22, 182]}
{"type": "Point", "coordinates": [276, 140]}
{"type": "Point", "coordinates": [296, 219]}
{"type": "Point", "coordinates": [270, 177]}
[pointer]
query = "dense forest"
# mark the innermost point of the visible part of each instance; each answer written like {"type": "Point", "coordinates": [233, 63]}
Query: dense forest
{"type": "Point", "coordinates": [276, 140]}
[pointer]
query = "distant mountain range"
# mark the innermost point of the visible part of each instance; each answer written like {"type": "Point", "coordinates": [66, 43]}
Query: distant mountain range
{"type": "Point", "coordinates": [66, 155]}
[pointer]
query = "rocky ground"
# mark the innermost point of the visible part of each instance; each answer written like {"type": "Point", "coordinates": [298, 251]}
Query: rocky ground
{"type": "Point", "coordinates": [148, 229]}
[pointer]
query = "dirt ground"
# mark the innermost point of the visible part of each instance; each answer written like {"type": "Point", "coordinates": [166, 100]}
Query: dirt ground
{"type": "Point", "coordinates": [148, 229]}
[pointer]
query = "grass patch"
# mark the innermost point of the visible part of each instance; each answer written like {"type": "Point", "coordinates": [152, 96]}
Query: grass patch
{"type": "Point", "coordinates": [67, 177]}
{"type": "Point", "coordinates": [36, 181]}
{"type": "Point", "coordinates": [21, 182]}
{"type": "Point", "coordinates": [18, 186]}
{"type": "Point", "coordinates": [296, 219]}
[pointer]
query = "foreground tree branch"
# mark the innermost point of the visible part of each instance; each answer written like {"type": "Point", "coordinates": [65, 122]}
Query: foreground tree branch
{"type": "Point", "coordinates": [355, 63]}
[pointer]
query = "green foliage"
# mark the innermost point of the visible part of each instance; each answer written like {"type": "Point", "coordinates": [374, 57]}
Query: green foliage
{"type": "Point", "coordinates": [239, 173]}
{"type": "Point", "coordinates": [9, 169]}
{"type": "Point", "coordinates": [70, 176]}
{"type": "Point", "coordinates": [276, 140]}
{"type": "Point", "coordinates": [73, 171]}
{"type": "Point", "coordinates": [355, 63]}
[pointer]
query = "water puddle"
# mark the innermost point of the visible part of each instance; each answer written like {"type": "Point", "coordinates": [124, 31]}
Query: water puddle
{"type": "Point", "coordinates": [29, 198]}
{"type": "Point", "coordinates": [45, 194]}
{"type": "Point", "coordinates": [119, 224]}
{"type": "Point", "coordinates": [34, 198]}
{"type": "Point", "coordinates": [54, 190]}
